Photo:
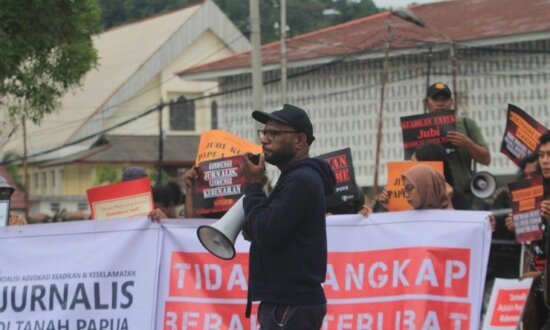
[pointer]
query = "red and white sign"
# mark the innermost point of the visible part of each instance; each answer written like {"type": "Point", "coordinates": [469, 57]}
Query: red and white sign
{"type": "Point", "coordinates": [508, 299]}
{"type": "Point", "coordinates": [397, 270]}
{"type": "Point", "coordinates": [121, 200]}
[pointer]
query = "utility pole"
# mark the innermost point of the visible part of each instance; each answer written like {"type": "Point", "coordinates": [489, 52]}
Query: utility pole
{"type": "Point", "coordinates": [283, 52]}
{"type": "Point", "coordinates": [25, 167]}
{"type": "Point", "coordinates": [255, 39]}
{"type": "Point", "coordinates": [383, 81]}
{"type": "Point", "coordinates": [161, 145]}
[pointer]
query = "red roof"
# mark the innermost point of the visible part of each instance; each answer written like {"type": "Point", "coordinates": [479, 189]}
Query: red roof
{"type": "Point", "coordinates": [17, 201]}
{"type": "Point", "coordinates": [461, 20]}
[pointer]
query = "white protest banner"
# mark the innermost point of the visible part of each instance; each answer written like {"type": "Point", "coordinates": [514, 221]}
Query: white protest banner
{"type": "Point", "coordinates": [86, 275]}
{"type": "Point", "coordinates": [413, 269]}
{"type": "Point", "coordinates": [507, 302]}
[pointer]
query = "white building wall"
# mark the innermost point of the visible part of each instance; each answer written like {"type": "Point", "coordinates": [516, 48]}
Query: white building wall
{"type": "Point", "coordinates": [343, 100]}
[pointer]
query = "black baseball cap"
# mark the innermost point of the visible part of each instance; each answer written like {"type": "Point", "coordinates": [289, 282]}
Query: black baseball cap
{"type": "Point", "coordinates": [439, 88]}
{"type": "Point", "coordinates": [290, 115]}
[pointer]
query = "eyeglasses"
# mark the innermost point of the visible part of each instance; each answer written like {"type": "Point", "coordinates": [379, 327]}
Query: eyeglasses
{"type": "Point", "coordinates": [408, 188]}
{"type": "Point", "coordinates": [270, 134]}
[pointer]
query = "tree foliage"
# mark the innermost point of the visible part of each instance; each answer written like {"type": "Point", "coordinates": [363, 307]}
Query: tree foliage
{"type": "Point", "coordinates": [45, 49]}
{"type": "Point", "coordinates": [302, 15]}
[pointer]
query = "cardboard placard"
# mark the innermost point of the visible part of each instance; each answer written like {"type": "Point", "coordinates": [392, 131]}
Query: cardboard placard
{"type": "Point", "coordinates": [120, 200]}
{"type": "Point", "coordinates": [216, 144]}
{"type": "Point", "coordinates": [426, 128]}
{"type": "Point", "coordinates": [526, 199]}
{"type": "Point", "coordinates": [521, 136]}
{"type": "Point", "coordinates": [395, 186]}
{"type": "Point", "coordinates": [342, 165]}
{"type": "Point", "coordinates": [507, 303]}
{"type": "Point", "coordinates": [219, 185]}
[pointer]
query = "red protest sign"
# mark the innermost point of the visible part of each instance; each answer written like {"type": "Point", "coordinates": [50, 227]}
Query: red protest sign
{"type": "Point", "coordinates": [521, 136]}
{"type": "Point", "coordinates": [120, 200]}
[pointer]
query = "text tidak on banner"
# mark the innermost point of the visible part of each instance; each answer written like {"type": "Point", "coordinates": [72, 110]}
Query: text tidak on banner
{"type": "Point", "coordinates": [426, 128]}
{"type": "Point", "coordinates": [342, 165]}
{"type": "Point", "coordinates": [428, 276]}
{"type": "Point", "coordinates": [219, 185]}
{"type": "Point", "coordinates": [396, 187]}
{"type": "Point", "coordinates": [121, 200]}
{"type": "Point", "coordinates": [521, 136]}
{"type": "Point", "coordinates": [216, 144]}
{"type": "Point", "coordinates": [526, 199]}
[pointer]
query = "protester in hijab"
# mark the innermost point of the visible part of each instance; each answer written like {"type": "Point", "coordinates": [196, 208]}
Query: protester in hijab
{"type": "Point", "coordinates": [425, 188]}
{"type": "Point", "coordinates": [436, 152]}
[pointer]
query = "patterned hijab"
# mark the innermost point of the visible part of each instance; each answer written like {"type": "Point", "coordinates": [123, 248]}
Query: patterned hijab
{"type": "Point", "coordinates": [430, 185]}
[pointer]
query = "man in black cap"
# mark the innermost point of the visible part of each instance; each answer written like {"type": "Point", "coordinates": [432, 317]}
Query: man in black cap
{"type": "Point", "coordinates": [288, 251]}
{"type": "Point", "coordinates": [468, 140]}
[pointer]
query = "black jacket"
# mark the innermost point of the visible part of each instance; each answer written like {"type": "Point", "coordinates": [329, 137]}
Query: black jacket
{"type": "Point", "coordinates": [288, 254]}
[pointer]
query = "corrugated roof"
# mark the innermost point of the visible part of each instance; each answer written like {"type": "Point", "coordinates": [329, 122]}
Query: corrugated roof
{"type": "Point", "coordinates": [461, 20]}
{"type": "Point", "coordinates": [134, 149]}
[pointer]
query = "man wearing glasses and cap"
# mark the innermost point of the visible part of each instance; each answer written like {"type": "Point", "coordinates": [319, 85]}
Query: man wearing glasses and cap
{"type": "Point", "coordinates": [288, 251]}
{"type": "Point", "coordinates": [7, 217]}
{"type": "Point", "coordinates": [468, 140]}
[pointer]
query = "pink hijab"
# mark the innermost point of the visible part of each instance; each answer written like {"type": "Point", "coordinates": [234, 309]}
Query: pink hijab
{"type": "Point", "coordinates": [430, 185]}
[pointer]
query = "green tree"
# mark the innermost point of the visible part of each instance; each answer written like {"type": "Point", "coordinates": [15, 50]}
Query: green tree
{"type": "Point", "coordinates": [45, 50]}
{"type": "Point", "coordinates": [302, 15]}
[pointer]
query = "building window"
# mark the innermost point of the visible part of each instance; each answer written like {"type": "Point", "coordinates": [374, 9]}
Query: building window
{"type": "Point", "coordinates": [53, 178]}
{"type": "Point", "coordinates": [44, 179]}
{"type": "Point", "coordinates": [54, 207]}
{"type": "Point", "coordinates": [182, 115]}
{"type": "Point", "coordinates": [35, 181]}
{"type": "Point", "coordinates": [82, 206]}
{"type": "Point", "coordinates": [214, 110]}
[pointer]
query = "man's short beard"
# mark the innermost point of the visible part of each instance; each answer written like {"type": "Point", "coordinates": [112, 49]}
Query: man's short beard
{"type": "Point", "coordinates": [282, 156]}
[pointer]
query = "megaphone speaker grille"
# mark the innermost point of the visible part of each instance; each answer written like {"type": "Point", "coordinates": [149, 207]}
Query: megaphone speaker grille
{"type": "Point", "coordinates": [216, 242]}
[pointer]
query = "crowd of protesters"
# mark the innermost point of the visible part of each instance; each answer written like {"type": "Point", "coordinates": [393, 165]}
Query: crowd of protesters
{"type": "Point", "coordinates": [424, 188]}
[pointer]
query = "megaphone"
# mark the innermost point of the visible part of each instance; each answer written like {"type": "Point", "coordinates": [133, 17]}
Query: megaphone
{"type": "Point", "coordinates": [483, 184]}
{"type": "Point", "coordinates": [219, 238]}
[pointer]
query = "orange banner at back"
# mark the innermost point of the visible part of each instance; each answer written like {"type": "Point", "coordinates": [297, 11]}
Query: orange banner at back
{"type": "Point", "coordinates": [216, 144]}
{"type": "Point", "coordinates": [398, 201]}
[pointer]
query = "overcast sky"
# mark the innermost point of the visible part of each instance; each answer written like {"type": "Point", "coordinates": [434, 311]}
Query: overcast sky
{"type": "Point", "coordinates": [399, 3]}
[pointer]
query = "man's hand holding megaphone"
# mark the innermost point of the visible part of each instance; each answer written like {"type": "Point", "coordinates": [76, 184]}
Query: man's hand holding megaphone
{"type": "Point", "coordinates": [254, 171]}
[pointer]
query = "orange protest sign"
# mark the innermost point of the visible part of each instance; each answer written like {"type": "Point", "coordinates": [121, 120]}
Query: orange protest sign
{"type": "Point", "coordinates": [396, 189]}
{"type": "Point", "coordinates": [216, 144]}
{"type": "Point", "coordinates": [120, 200]}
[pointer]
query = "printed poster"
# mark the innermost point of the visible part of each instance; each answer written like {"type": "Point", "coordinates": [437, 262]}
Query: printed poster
{"type": "Point", "coordinates": [426, 128]}
{"type": "Point", "coordinates": [341, 164]}
{"type": "Point", "coordinates": [506, 305]}
{"type": "Point", "coordinates": [121, 200]}
{"type": "Point", "coordinates": [395, 186]}
{"type": "Point", "coordinates": [219, 185]}
{"type": "Point", "coordinates": [526, 199]}
{"type": "Point", "coordinates": [521, 136]}
{"type": "Point", "coordinates": [216, 144]}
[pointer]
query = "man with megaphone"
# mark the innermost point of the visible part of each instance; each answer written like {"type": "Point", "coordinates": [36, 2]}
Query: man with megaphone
{"type": "Point", "coordinates": [288, 251]}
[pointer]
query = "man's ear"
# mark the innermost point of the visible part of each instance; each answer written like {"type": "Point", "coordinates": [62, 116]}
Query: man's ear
{"type": "Point", "coordinates": [302, 141]}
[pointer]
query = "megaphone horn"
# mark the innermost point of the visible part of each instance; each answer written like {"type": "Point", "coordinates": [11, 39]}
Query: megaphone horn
{"type": "Point", "coordinates": [219, 238]}
{"type": "Point", "coordinates": [483, 184]}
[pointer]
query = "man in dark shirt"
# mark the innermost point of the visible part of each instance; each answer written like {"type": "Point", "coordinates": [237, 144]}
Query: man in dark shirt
{"type": "Point", "coordinates": [288, 252]}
